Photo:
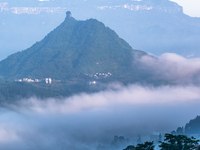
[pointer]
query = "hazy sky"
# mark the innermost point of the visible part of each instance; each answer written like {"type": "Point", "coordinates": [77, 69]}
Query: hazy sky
{"type": "Point", "coordinates": [190, 7]}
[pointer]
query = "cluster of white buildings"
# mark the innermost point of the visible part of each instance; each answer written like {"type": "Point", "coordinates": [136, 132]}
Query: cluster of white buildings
{"type": "Point", "coordinates": [99, 75]}
{"type": "Point", "coordinates": [47, 80]}
{"type": "Point", "coordinates": [102, 75]}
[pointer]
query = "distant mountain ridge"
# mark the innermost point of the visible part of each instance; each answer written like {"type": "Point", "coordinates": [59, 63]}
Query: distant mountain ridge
{"type": "Point", "coordinates": [37, 8]}
{"type": "Point", "coordinates": [154, 26]}
{"type": "Point", "coordinates": [73, 49]}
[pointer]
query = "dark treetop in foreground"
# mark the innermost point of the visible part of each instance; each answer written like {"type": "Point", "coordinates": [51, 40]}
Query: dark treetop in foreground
{"type": "Point", "coordinates": [171, 142]}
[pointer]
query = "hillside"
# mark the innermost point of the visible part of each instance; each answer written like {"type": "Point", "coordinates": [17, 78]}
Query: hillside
{"type": "Point", "coordinates": [73, 50]}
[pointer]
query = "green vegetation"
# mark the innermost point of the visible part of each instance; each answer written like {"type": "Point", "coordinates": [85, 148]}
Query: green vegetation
{"type": "Point", "coordinates": [72, 52]}
{"type": "Point", "coordinates": [171, 142]}
{"type": "Point", "coordinates": [11, 92]}
{"type": "Point", "coordinates": [178, 142]}
{"type": "Point", "coordinates": [73, 49]}
{"type": "Point", "coordinates": [145, 146]}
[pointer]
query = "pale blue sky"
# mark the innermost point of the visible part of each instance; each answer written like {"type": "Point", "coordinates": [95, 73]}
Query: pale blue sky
{"type": "Point", "coordinates": [190, 7]}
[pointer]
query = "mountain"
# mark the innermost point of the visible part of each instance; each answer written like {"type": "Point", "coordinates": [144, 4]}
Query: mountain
{"type": "Point", "coordinates": [154, 26]}
{"type": "Point", "coordinates": [190, 128]}
{"type": "Point", "coordinates": [75, 49]}
{"type": "Point", "coordinates": [193, 127]}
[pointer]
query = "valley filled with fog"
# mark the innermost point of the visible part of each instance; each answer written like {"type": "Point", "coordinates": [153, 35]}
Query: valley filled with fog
{"type": "Point", "coordinates": [83, 121]}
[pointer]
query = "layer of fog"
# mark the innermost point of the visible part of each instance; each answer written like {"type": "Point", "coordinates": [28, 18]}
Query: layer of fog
{"type": "Point", "coordinates": [83, 121]}
{"type": "Point", "coordinates": [173, 68]}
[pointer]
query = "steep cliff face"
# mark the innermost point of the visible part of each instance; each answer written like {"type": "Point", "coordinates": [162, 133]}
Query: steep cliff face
{"type": "Point", "coordinates": [145, 5]}
{"type": "Point", "coordinates": [161, 5]}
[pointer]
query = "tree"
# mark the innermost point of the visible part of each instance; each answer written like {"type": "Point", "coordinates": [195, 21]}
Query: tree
{"type": "Point", "coordinates": [130, 147]}
{"type": "Point", "coordinates": [178, 142]}
{"type": "Point", "coordinates": [145, 146]}
{"type": "Point", "coordinates": [171, 142]}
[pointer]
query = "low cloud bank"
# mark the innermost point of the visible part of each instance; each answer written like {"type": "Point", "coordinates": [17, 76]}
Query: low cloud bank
{"type": "Point", "coordinates": [83, 121]}
{"type": "Point", "coordinates": [116, 95]}
{"type": "Point", "coordinates": [173, 67]}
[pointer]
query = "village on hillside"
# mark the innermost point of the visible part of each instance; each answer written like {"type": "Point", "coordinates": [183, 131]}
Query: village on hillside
{"type": "Point", "coordinates": [49, 80]}
{"type": "Point", "coordinates": [46, 80]}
